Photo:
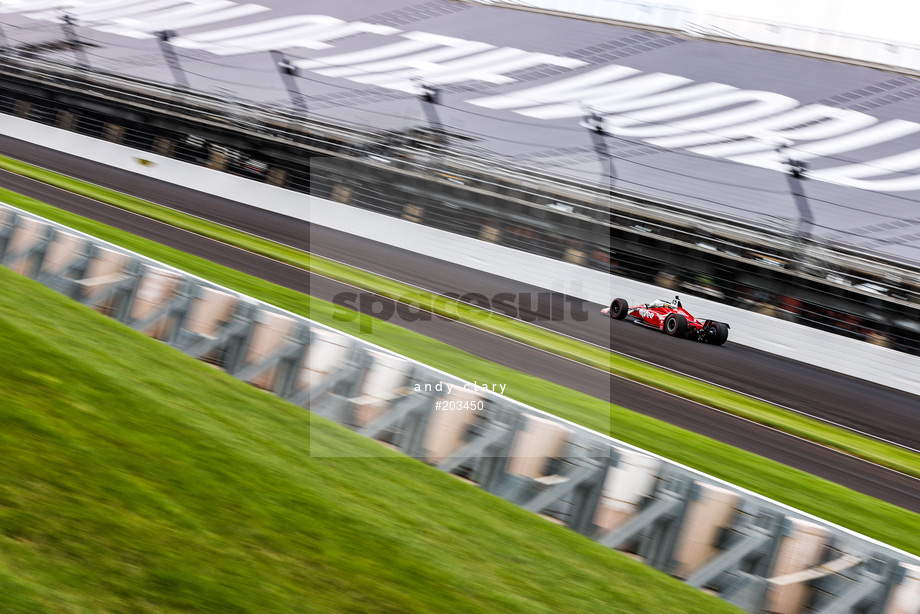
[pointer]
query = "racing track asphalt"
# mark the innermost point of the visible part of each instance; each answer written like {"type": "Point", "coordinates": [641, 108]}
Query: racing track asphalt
{"type": "Point", "coordinates": [837, 397]}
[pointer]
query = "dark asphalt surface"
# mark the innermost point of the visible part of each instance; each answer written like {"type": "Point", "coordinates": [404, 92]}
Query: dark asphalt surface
{"type": "Point", "coordinates": [874, 409]}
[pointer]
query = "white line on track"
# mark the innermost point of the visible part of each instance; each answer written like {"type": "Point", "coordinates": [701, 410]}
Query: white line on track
{"type": "Point", "coordinates": [676, 396]}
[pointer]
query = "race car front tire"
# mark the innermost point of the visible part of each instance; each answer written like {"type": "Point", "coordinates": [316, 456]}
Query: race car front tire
{"type": "Point", "coordinates": [675, 325]}
{"type": "Point", "coordinates": [619, 308]}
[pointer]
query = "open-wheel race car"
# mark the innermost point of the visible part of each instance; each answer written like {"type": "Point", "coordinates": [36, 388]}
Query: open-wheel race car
{"type": "Point", "coordinates": [671, 318]}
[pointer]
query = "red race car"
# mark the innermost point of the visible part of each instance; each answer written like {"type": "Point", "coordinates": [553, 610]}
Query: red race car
{"type": "Point", "coordinates": [670, 317]}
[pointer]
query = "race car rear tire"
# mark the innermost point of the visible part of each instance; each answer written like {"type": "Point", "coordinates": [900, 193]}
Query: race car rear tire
{"type": "Point", "coordinates": [716, 333]}
{"type": "Point", "coordinates": [675, 325]}
{"type": "Point", "coordinates": [619, 308]}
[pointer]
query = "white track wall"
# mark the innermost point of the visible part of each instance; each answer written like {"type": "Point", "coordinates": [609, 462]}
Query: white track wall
{"type": "Point", "coordinates": [818, 348]}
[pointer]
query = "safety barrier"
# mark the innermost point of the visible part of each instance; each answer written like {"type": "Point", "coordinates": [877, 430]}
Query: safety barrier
{"type": "Point", "coordinates": [751, 551]}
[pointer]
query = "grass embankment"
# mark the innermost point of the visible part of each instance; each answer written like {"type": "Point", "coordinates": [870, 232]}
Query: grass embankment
{"type": "Point", "coordinates": [883, 521]}
{"type": "Point", "coordinates": [732, 402]}
{"type": "Point", "coordinates": [135, 479]}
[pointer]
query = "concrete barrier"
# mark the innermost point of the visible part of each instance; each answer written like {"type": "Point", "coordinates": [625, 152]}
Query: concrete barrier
{"type": "Point", "coordinates": [269, 336]}
{"type": "Point", "coordinates": [906, 596]}
{"type": "Point", "coordinates": [61, 252]}
{"type": "Point", "coordinates": [448, 429]}
{"type": "Point", "coordinates": [707, 517]}
{"type": "Point", "coordinates": [626, 486]}
{"type": "Point", "coordinates": [801, 549]}
{"type": "Point", "coordinates": [389, 375]}
{"type": "Point", "coordinates": [535, 444]}
{"type": "Point", "coordinates": [157, 287]}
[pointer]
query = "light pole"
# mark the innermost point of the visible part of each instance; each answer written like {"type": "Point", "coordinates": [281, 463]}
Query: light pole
{"type": "Point", "coordinates": [171, 57]}
{"type": "Point", "coordinates": [5, 48]}
{"type": "Point", "coordinates": [594, 123]}
{"type": "Point", "coordinates": [288, 73]}
{"type": "Point", "coordinates": [70, 33]}
{"type": "Point", "coordinates": [430, 97]}
{"type": "Point", "coordinates": [797, 171]}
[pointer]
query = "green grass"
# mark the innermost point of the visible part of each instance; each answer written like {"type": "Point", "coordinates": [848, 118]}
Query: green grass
{"type": "Point", "coordinates": [714, 396]}
{"type": "Point", "coordinates": [135, 479]}
{"type": "Point", "coordinates": [877, 519]}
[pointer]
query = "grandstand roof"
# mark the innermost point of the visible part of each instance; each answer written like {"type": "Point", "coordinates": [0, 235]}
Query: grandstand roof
{"type": "Point", "coordinates": [690, 121]}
